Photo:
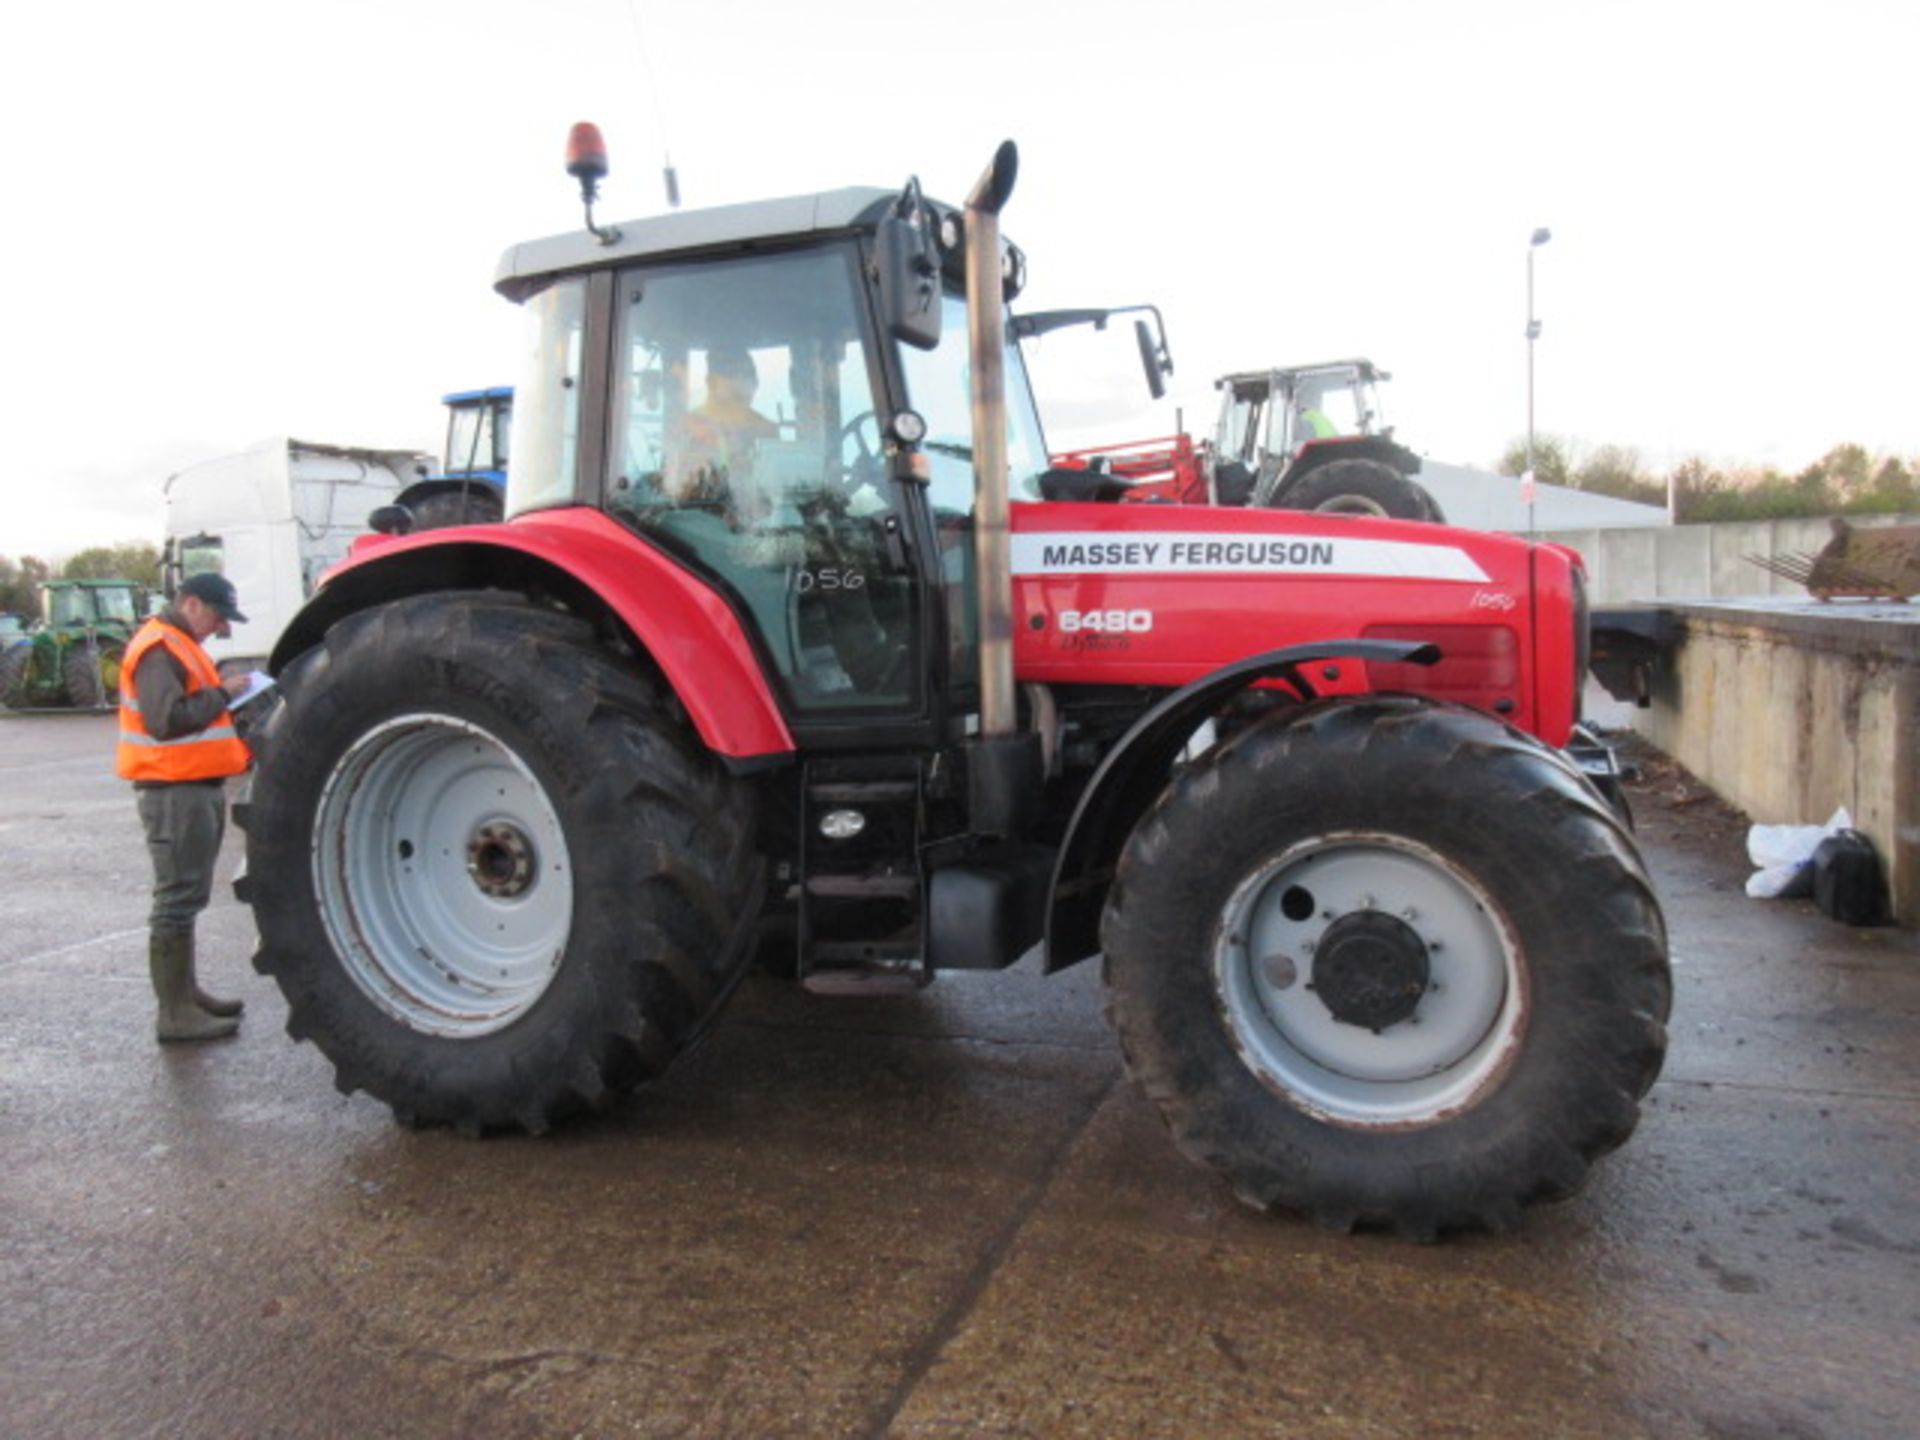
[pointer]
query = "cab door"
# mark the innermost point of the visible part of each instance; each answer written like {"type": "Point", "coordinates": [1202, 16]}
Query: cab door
{"type": "Point", "coordinates": [745, 439]}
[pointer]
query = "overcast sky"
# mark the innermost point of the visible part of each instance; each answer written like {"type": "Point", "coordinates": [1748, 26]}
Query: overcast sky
{"type": "Point", "coordinates": [234, 220]}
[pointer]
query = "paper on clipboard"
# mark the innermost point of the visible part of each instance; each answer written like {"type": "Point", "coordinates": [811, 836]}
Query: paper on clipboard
{"type": "Point", "coordinates": [258, 683]}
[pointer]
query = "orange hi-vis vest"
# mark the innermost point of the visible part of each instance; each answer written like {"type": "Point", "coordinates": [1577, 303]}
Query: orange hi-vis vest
{"type": "Point", "coordinates": [210, 754]}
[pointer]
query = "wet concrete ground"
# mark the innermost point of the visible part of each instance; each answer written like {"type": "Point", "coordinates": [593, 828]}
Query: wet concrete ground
{"type": "Point", "coordinates": [944, 1214]}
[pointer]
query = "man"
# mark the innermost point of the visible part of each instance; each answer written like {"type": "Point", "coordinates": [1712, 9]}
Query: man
{"type": "Point", "coordinates": [722, 431]}
{"type": "Point", "coordinates": [178, 746]}
{"type": "Point", "coordinates": [1310, 422]}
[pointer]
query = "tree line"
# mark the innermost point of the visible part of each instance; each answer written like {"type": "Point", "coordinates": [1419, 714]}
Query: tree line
{"type": "Point", "coordinates": [1847, 480]}
{"type": "Point", "coordinates": [20, 579]}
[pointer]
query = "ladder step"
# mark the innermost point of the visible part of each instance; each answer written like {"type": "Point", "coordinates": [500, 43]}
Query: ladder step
{"type": "Point", "coordinates": [865, 982]}
{"type": "Point", "coordinates": [825, 954]}
{"type": "Point", "coordinates": [863, 887]}
{"type": "Point", "coordinates": [861, 792]}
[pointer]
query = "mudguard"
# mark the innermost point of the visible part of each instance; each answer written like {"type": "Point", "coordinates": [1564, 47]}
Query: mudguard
{"type": "Point", "coordinates": [1135, 771]}
{"type": "Point", "coordinates": [595, 566]}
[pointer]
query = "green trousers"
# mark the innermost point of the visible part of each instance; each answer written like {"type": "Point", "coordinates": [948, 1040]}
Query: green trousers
{"type": "Point", "coordinates": [184, 824]}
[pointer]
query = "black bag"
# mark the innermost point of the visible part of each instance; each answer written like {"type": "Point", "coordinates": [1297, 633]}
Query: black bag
{"type": "Point", "coordinates": [1846, 879]}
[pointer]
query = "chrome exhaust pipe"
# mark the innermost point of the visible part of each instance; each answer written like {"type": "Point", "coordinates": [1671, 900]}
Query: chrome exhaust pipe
{"type": "Point", "coordinates": [987, 344]}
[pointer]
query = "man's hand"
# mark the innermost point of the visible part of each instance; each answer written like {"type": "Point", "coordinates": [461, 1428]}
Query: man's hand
{"type": "Point", "coordinates": [235, 685]}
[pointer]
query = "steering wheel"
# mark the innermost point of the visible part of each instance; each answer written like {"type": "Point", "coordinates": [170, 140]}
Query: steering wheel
{"type": "Point", "coordinates": [864, 467]}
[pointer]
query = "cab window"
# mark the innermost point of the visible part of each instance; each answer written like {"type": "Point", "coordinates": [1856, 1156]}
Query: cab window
{"type": "Point", "coordinates": [745, 440]}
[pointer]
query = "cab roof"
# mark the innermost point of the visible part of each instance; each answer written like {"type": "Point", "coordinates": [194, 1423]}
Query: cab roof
{"type": "Point", "coordinates": [687, 232]}
{"type": "Point", "coordinates": [1259, 380]}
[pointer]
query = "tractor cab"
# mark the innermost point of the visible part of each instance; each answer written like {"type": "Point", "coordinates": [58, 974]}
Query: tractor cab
{"type": "Point", "coordinates": [1277, 427]}
{"type": "Point", "coordinates": [470, 483]}
{"type": "Point", "coordinates": [1275, 412]}
{"type": "Point", "coordinates": [479, 424]}
{"type": "Point", "coordinates": [766, 425]}
{"type": "Point", "coordinates": [85, 604]}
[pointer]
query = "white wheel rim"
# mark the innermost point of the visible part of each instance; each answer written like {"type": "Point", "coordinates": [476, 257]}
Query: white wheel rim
{"type": "Point", "coordinates": [442, 874]}
{"type": "Point", "coordinates": [1464, 1028]}
{"type": "Point", "coordinates": [1354, 505]}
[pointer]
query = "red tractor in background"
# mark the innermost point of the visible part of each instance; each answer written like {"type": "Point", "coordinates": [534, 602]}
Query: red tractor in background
{"type": "Point", "coordinates": [1303, 437]}
{"type": "Point", "coordinates": [783, 644]}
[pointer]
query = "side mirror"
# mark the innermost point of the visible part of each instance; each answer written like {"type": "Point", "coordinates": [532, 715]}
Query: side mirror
{"type": "Point", "coordinates": [909, 265]}
{"type": "Point", "coordinates": [1151, 359]}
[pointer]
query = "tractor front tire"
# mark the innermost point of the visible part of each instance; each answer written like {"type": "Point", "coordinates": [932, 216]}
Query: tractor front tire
{"type": "Point", "coordinates": [16, 675]}
{"type": "Point", "coordinates": [457, 507]}
{"type": "Point", "coordinates": [497, 878]}
{"type": "Point", "coordinates": [1360, 487]}
{"type": "Point", "coordinates": [1389, 964]}
{"type": "Point", "coordinates": [83, 670]}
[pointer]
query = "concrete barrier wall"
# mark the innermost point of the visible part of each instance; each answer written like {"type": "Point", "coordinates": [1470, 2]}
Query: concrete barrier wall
{"type": "Point", "coordinates": [1790, 715]}
{"type": "Point", "coordinates": [1699, 562]}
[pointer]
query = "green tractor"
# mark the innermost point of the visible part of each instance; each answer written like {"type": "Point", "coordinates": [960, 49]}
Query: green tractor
{"type": "Point", "coordinates": [73, 656]}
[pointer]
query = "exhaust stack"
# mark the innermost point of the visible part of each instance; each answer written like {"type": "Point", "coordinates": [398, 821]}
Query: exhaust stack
{"type": "Point", "coordinates": [987, 343]}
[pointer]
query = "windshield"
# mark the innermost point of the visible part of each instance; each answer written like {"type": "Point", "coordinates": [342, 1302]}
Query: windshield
{"type": "Point", "coordinates": [1321, 405]}
{"type": "Point", "coordinates": [477, 437]}
{"type": "Point", "coordinates": [88, 604]}
{"type": "Point", "coordinates": [1239, 434]}
{"type": "Point", "coordinates": [939, 387]}
{"type": "Point", "coordinates": [115, 603]}
{"type": "Point", "coordinates": [746, 440]}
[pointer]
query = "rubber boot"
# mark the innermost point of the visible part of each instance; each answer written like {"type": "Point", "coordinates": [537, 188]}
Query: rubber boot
{"type": "Point", "coordinates": [206, 1002]}
{"type": "Point", "coordinates": [170, 959]}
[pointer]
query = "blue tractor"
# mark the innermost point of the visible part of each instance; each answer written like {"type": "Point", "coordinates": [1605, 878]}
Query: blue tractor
{"type": "Point", "coordinates": [472, 482]}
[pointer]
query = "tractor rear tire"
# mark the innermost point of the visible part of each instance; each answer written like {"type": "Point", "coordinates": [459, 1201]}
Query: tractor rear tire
{"type": "Point", "coordinates": [457, 507]}
{"type": "Point", "coordinates": [1360, 487]}
{"type": "Point", "coordinates": [83, 670]}
{"type": "Point", "coordinates": [16, 675]}
{"type": "Point", "coordinates": [1390, 964]}
{"type": "Point", "coordinates": [496, 876]}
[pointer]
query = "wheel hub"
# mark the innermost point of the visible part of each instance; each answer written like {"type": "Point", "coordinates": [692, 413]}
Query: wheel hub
{"type": "Point", "coordinates": [1370, 969]}
{"type": "Point", "coordinates": [443, 875]}
{"type": "Point", "coordinates": [500, 859]}
{"type": "Point", "coordinates": [1368, 979]}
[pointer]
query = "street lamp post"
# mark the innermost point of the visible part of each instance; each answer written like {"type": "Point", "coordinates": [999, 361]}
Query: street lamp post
{"type": "Point", "coordinates": [1540, 237]}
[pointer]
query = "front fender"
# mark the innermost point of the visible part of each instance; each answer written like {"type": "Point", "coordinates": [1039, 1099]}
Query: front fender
{"type": "Point", "coordinates": [1135, 771]}
{"type": "Point", "coordinates": [597, 569]}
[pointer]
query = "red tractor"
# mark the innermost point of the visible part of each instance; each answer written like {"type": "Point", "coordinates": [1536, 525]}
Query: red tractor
{"type": "Point", "coordinates": [781, 652]}
{"type": "Point", "coordinates": [1303, 437]}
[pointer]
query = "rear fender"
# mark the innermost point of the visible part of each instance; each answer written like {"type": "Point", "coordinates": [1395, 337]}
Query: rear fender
{"type": "Point", "coordinates": [1348, 447]}
{"type": "Point", "coordinates": [1135, 771]}
{"type": "Point", "coordinates": [600, 571]}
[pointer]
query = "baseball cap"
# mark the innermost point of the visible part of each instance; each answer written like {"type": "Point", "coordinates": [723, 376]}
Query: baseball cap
{"type": "Point", "coordinates": [214, 590]}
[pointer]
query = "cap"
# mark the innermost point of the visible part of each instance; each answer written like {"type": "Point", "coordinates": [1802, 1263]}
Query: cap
{"type": "Point", "coordinates": [214, 590]}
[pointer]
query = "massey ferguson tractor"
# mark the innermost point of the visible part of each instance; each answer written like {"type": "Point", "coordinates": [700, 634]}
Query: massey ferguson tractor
{"type": "Point", "coordinates": [783, 652]}
{"type": "Point", "coordinates": [1305, 437]}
